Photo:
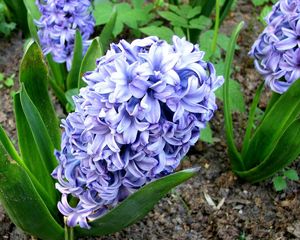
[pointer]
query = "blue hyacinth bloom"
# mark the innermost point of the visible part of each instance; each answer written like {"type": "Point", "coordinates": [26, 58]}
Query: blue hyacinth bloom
{"type": "Point", "coordinates": [276, 51]}
{"type": "Point", "coordinates": [58, 24]}
{"type": "Point", "coordinates": [141, 111]}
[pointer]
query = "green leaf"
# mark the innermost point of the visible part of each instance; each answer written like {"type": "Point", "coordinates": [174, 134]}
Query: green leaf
{"type": "Point", "coordinates": [162, 32]}
{"type": "Point", "coordinates": [264, 12]}
{"type": "Point", "coordinates": [206, 134]}
{"type": "Point", "coordinates": [235, 156]}
{"type": "Point", "coordinates": [39, 130]}
{"type": "Point", "coordinates": [32, 27]}
{"type": "Point", "coordinates": [259, 2]}
{"type": "Point", "coordinates": [69, 96]}
{"type": "Point", "coordinates": [73, 76]}
{"type": "Point", "coordinates": [279, 183]}
{"type": "Point", "coordinates": [179, 32]}
{"type": "Point", "coordinates": [227, 6]}
{"type": "Point", "coordinates": [200, 23]}
{"type": "Point", "coordinates": [102, 11]}
{"type": "Point", "coordinates": [236, 98]}
{"type": "Point", "coordinates": [251, 119]}
{"type": "Point", "coordinates": [17, 8]}
{"type": "Point", "coordinates": [173, 18]}
{"type": "Point", "coordinates": [265, 138]}
{"type": "Point", "coordinates": [58, 73]}
{"type": "Point", "coordinates": [107, 32]}
{"type": "Point", "coordinates": [136, 206]}
{"type": "Point", "coordinates": [29, 152]}
{"type": "Point", "coordinates": [32, 9]}
{"type": "Point", "coordinates": [286, 150]}
{"type": "Point", "coordinates": [22, 202]}
{"type": "Point", "coordinates": [1, 77]}
{"type": "Point", "coordinates": [89, 60]}
{"type": "Point", "coordinates": [183, 10]}
{"type": "Point", "coordinates": [194, 12]}
{"type": "Point", "coordinates": [34, 75]}
{"type": "Point", "coordinates": [291, 174]}
{"type": "Point", "coordinates": [9, 82]}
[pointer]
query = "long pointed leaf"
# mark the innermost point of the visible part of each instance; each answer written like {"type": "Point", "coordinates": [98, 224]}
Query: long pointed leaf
{"type": "Point", "coordinates": [286, 151]}
{"type": "Point", "coordinates": [39, 130]}
{"type": "Point", "coordinates": [274, 124]}
{"type": "Point", "coordinates": [9, 147]}
{"type": "Point", "coordinates": [22, 202]}
{"type": "Point", "coordinates": [136, 206]}
{"type": "Point", "coordinates": [107, 32]}
{"type": "Point", "coordinates": [32, 9]}
{"type": "Point", "coordinates": [58, 72]}
{"type": "Point", "coordinates": [89, 61]}
{"type": "Point", "coordinates": [251, 118]}
{"type": "Point", "coordinates": [235, 156]}
{"type": "Point", "coordinates": [225, 9]}
{"type": "Point", "coordinates": [34, 75]}
{"type": "Point", "coordinates": [72, 80]}
{"type": "Point", "coordinates": [32, 159]}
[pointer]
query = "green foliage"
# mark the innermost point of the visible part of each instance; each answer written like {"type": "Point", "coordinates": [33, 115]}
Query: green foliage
{"type": "Point", "coordinates": [267, 7]}
{"type": "Point", "coordinates": [7, 82]}
{"type": "Point", "coordinates": [270, 147]}
{"type": "Point", "coordinates": [206, 135]}
{"type": "Point", "coordinates": [280, 181]}
{"type": "Point", "coordinates": [5, 27]}
{"type": "Point", "coordinates": [18, 13]}
{"type": "Point", "coordinates": [132, 16]}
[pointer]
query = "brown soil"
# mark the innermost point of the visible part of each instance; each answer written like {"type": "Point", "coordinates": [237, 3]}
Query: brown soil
{"type": "Point", "coordinates": [214, 204]}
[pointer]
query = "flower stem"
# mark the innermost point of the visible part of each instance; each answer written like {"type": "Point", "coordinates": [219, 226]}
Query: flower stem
{"type": "Point", "coordinates": [69, 232]}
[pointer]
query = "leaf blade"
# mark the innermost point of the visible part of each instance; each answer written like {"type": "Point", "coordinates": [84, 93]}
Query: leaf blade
{"type": "Point", "coordinates": [22, 202]}
{"type": "Point", "coordinates": [34, 76]}
{"type": "Point", "coordinates": [137, 205]}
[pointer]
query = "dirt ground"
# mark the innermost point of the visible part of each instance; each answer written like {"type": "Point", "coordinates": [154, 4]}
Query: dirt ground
{"type": "Point", "coordinates": [214, 204]}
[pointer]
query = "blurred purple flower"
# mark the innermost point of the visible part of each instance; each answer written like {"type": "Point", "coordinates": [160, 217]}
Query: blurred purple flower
{"type": "Point", "coordinates": [58, 24]}
{"type": "Point", "coordinates": [142, 109]}
{"type": "Point", "coordinates": [276, 51]}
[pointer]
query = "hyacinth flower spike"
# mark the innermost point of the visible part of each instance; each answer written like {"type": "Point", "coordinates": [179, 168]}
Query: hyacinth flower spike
{"type": "Point", "coordinates": [275, 142]}
{"type": "Point", "coordinates": [142, 109]}
{"type": "Point", "coordinates": [118, 151]}
{"type": "Point", "coordinates": [64, 30]}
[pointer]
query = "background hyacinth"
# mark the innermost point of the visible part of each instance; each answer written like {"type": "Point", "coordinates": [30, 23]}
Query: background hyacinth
{"type": "Point", "coordinates": [276, 51]}
{"type": "Point", "coordinates": [141, 111]}
{"type": "Point", "coordinates": [58, 24]}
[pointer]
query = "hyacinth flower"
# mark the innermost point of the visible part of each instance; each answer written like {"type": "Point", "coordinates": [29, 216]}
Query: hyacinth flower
{"type": "Point", "coordinates": [58, 24]}
{"type": "Point", "coordinates": [143, 107]}
{"type": "Point", "coordinates": [276, 51]}
{"type": "Point", "coordinates": [275, 142]}
{"type": "Point", "coordinates": [63, 29]}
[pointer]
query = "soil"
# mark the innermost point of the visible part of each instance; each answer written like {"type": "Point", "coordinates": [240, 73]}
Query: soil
{"type": "Point", "coordinates": [215, 204]}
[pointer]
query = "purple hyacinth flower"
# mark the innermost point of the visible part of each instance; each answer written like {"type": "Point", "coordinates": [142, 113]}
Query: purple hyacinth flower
{"type": "Point", "coordinates": [276, 51]}
{"type": "Point", "coordinates": [141, 111]}
{"type": "Point", "coordinates": [58, 24]}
